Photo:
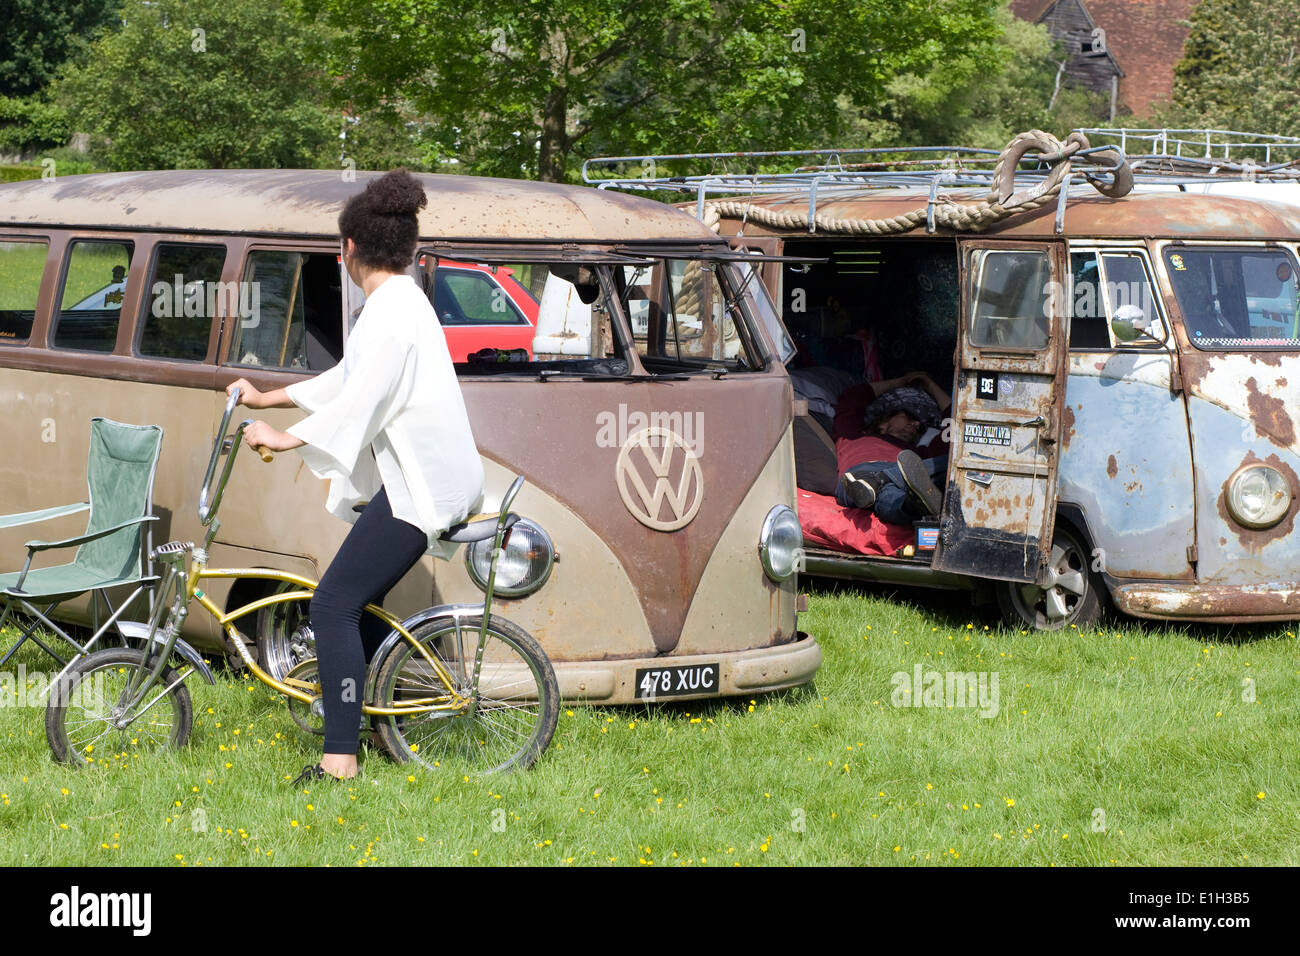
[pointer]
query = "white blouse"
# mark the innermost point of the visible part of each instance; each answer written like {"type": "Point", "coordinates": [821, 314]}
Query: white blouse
{"type": "Point", "coordinates": [394, 394]}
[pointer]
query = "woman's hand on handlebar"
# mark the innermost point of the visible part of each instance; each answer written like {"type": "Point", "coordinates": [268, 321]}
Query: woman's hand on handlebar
{"type": "Point", "coordinates": [252, 397]}
{"type": "Point", "coordinates": [260, 434]}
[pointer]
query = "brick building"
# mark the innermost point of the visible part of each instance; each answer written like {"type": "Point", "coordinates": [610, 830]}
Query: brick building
{"type": "Point", "coordinates": [1125, 49]}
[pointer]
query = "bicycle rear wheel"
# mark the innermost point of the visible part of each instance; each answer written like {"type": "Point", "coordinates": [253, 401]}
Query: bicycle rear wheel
{"type": "Point", "coordinates": [87, 705]}
{"type": "Point", "coordinates": [514, 712]}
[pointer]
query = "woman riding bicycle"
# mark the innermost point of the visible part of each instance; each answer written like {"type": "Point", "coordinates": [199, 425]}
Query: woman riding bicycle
{"type": "Point", "coordinates": [387, 426]}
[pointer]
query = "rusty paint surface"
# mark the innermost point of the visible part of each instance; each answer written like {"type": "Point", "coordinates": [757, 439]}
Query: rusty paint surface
{"type": "Point", "coordinates": [998, 504]}
{"type": "Point", "coordinates": [1136, 216]}
{"type": "Point", "coordinates": [1210, 603]}
{"type": "Point", "coordinates": [1067, 425]}
{"type": "Point", "coordinates": [1225, 435]}
{"type": "Point", "coordinates": [1129, 467]}
{"type": "Point", "coordinates": [308, 202]}
{"type": "Point", "coordinates": [1270, 415]}
{"type": "Point", "coordinates": [511, 422]}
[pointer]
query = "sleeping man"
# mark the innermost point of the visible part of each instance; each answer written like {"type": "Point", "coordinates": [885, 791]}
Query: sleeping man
{"type": "Point", "coordinates": [883, 469]}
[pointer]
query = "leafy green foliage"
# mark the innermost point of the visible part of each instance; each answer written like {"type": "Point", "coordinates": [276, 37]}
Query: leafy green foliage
{"type": "Point", "coordinates": [31, 123]}
{"type": "Point", "coordinates": [190, 84]}
{"type": "Point", "coordinates": [523, 89]}
{"type": "Point", "coordinates": [38, 36]}
{"type": "Point", "coordinates": [1240, 68]}
{"type": "Point", "coordinates": [981, 98]}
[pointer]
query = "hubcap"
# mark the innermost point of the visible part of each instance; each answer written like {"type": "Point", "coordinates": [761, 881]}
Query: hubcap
{"type": "Point", "coordinates": [1066, 585]}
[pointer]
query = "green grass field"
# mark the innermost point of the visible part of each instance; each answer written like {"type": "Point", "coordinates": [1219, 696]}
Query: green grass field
{"type": "Point", "coordinates": [1132, 744]}
{"type": "Point", "coordinates": [23, 263]}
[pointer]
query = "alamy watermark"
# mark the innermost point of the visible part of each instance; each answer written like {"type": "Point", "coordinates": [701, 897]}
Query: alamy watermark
{"type": "Point", "coordinates": [23, 688]}
{"type": "Point", "coordinates": [614, 428]}
{"type": "Point", "coordinates": [127, 910]}
{"type": "Point", "coordinates": [946, 689]}
{"type": "Point", "coordinates": [200, 299]}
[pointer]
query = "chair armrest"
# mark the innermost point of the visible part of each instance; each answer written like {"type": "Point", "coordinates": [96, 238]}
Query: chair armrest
{"type": "Point", "coordinates": [82, 539]}
{"type": "Point", "coordinates": [31, 517]}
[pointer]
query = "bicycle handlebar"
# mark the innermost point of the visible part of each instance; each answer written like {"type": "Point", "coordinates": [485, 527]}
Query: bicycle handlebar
{"type": "Point", "coordinates": [208, 509]}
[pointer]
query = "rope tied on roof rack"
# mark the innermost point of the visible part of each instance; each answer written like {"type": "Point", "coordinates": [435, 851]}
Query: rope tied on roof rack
{"type": "Point", "coordinates": [1002, 201]}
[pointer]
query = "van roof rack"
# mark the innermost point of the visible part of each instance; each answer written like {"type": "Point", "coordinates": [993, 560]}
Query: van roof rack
{"type": "Point", "coordinates": [1197, 155]}
{"type": "Point", "coordinates": [1097, 156]}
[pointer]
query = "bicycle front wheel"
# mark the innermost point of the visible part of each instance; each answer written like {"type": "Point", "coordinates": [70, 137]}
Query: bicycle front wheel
{"type": "Point", "coordinates": [89, 714]}
{"type": "Point", "coordinates": [512, 715]}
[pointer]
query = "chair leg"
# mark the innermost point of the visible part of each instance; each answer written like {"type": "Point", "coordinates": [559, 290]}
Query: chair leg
{"type": "Point", "coordinates": [42, 618]}
{"type": "Point", "coordinates": [30, 635]}
{"type": "Point", "coordinates": [94, 638]}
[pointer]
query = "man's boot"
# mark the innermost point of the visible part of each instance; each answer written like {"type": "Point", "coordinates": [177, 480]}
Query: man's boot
{"type": "Point", "coordinates": [924, 491]}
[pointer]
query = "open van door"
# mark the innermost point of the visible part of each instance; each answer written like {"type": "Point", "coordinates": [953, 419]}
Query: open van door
{"type": "Point", "coordinates": [1000, 500]}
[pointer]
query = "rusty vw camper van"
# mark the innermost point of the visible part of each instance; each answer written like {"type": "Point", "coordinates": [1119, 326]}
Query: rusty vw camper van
{"type": "Point", "coordinates": [1122, 345]}
{"type": "Point", "coordinates": [650, 411]}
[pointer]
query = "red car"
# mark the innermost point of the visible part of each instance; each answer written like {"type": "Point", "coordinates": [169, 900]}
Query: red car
{"type": "Point", "coordinates": [481, 307]}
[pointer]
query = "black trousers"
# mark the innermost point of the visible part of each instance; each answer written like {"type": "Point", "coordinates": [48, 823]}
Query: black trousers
{"type": "Point", "coordinates": [376, 554]}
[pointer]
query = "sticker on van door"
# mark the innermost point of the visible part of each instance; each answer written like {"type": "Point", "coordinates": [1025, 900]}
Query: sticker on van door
{"type": "Point", "coordinates": [976, 434]}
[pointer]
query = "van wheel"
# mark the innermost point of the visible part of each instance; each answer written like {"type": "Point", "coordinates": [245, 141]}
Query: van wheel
{"type": "Point", "coordinates": [1072, 597]}
{"type": "Point", "coordinates": [284, 636]}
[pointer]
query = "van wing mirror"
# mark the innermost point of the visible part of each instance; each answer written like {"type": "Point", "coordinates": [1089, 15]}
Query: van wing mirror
{"type": "Point", "coordinates": [1131, 327]}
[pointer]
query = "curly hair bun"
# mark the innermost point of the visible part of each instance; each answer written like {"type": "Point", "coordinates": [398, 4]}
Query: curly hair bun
{"type": "Point", "coordinates": [382, 220]}
{"type": "Point", "coordinates": [396, 193]}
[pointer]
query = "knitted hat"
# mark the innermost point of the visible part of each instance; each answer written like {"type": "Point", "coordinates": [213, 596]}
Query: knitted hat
{"type": "Point", "coordinates": [914, 401]}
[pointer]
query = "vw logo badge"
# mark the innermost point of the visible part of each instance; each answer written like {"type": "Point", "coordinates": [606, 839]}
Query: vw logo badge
{"type": "Point", "coordinates": [659, 479]}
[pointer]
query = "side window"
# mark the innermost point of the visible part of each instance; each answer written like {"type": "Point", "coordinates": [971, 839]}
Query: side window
{"type": "Point", "coordinates": [1089, 326]}
{"type": "Point", "coordinates": [291, 313]}
{"type": "Point", "coordinates": [185, 295]}
{"type": "Point", "coordinates": [1130, 298]}
{"type": "Point", "coordinates": [472, 295]}
{"type": "Point", "coordinates": [21, 265]}
{"type": "Point", "coordinates": [1011, 299]}
{"type": "Point", "coordinates": [90, 304]}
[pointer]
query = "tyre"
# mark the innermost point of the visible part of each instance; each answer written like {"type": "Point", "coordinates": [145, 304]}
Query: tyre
{"type": "Point", "coordinates": [511, 719]}
{"type": "Point", "coordinates": [310, 717]}
{"type": "Point", "coordinates": [1073, 595]}
{"type": "Point", "coordinates": [80, 717]}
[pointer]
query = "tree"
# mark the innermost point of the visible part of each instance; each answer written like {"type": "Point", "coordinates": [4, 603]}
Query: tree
{"type": "Point", "coordinates": [38, 36]}
{"type": "Point", "coordinates": [981, 97]}
{"type": "Point", "coordinates": [523, 89]}
{"type": "Point", "coordinates": [192, 84]}
{"type": "Point", "coordinates": [1240, 68]}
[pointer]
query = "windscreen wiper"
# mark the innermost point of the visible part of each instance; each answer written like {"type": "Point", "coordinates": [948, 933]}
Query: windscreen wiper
{"type": "Point", "coordinates": [547, 374]}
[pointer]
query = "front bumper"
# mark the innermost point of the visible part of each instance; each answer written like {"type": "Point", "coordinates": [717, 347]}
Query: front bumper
{"type": "Point", "coordinates": [757, 671]}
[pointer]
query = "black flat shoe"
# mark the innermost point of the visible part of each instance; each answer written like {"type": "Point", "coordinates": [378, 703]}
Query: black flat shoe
{"type": "Point", "coordinates": [859, 490]}
{"type": "Point", "coordinates": [317, 772]}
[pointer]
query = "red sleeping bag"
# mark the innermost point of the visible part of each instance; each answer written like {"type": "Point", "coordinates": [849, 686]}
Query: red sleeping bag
{"type": "Point", "coordinates": [827, 523]}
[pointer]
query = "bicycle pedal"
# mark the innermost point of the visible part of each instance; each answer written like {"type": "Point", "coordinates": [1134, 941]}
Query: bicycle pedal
{"type": "Point", "coordinates": [172, 547]}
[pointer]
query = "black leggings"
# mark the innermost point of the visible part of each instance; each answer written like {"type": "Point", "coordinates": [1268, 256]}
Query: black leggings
{"type": "Point", "coordinates": [376, 554]}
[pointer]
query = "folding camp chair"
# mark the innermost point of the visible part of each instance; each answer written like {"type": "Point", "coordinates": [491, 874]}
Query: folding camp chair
{"type": "Point", "coordinates": [112, 553]}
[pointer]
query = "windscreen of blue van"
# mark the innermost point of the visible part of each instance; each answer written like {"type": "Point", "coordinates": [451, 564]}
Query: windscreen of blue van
{"type": "Point", "coordinates": [1236, 298]}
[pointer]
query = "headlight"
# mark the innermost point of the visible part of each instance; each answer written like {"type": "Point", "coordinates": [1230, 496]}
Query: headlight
{"type": "Point", "coordinates": [1258, 496]}
{"type": "Point", "coordinates": [780, 547]}
{"type": "Point", "coordinates": [524, 565]}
